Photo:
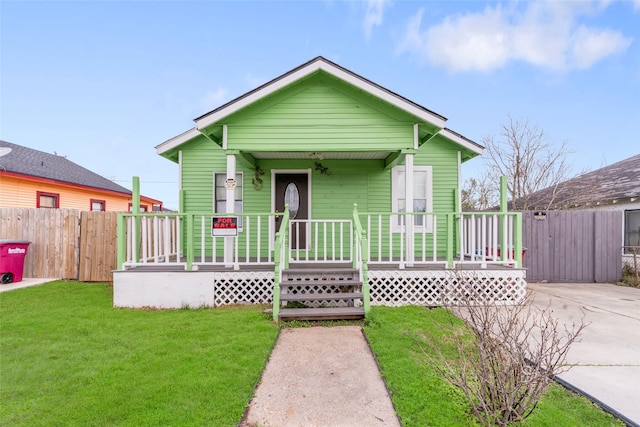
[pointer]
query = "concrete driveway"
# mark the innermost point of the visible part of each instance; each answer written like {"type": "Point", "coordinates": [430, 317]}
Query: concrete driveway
{"type": "Point", "coordinates": [607, 358]}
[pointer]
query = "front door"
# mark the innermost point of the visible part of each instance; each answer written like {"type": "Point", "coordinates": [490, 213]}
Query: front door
{"type": "Point", "coordinates": [293, 189]}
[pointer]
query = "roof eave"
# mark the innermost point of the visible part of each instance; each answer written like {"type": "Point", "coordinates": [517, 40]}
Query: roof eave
{"type": "Point", "coordinates": [463, 141]}
{"type": "Point", "coordinates": [176, 141]}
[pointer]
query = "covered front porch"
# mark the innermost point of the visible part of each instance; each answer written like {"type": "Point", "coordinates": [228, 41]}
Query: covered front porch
{"type": "Point", "coordinates": [176, 260]}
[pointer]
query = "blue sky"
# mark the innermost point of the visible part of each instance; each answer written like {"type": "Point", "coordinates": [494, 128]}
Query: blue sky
{"type": "Point", "coordinates": [103, 83]}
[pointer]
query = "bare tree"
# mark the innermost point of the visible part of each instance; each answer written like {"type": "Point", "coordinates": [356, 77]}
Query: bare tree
{"type": "Point", "coordinates": [523, 154]}
{"type": "Point", "coordinates": [505, 356]}
{"type": "Point", "coordinates": [479, 194]}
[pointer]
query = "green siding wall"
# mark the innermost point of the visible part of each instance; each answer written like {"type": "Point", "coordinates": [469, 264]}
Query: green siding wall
{"type": "Point", "coordinates": [318, 117]}
{"type": "Point", "coordinates": [364, 182]}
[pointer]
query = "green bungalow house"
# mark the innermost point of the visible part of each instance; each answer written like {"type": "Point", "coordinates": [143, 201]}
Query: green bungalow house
{"type": "Point", "coordinates": [318, 190]}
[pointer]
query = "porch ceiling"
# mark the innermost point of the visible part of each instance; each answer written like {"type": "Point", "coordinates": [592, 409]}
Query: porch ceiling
{"type": "Point", "coordinates": [359, 155]}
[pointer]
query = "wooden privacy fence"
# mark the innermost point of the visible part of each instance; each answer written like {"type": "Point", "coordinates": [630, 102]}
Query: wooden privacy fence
{"type": "Point", "coordinates": [65, 243]}
{"type": "Point", "coordinates": [573, 246]}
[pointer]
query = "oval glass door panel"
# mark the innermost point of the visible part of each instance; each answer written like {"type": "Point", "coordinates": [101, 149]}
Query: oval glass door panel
{"type": "Point", "coordinates": [292, 198]}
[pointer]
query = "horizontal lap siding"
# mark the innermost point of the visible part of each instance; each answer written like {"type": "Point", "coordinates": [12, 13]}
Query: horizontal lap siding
{"type": "Point", "coordinates": [200, 159]}
{"type": "Point", "coordinates": [23, 193]}
{"type": "Point", "coordinates": [316, 116]}
{"type": "Point", "coordinates": [443, 158]}
{"type": "Point", "coordinates": [320, 118]}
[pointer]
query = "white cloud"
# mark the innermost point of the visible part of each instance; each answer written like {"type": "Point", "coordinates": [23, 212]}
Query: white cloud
{"type": "Point", "coordinates": [544, 34]}
{"type": "Point", "coordinates": [214, 98]}
{"type": "Point", "coordinates": [589, 46]}
{"type": "Point", "coordinates": [636, 5]}
{"type": "Point", "coordinates": [373, 16]}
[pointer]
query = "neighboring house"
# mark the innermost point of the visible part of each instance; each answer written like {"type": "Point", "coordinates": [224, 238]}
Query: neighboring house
{"type": "Point", "coordinates": [317, 139]}
{"type": "Point", "coordinates": [34, 179]}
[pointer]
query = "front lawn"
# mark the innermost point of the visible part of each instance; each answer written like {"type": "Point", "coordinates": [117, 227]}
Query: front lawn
{"type": "Point", "coordinates": [69, 358]}
{"type": "Point", "coordinates": [422, 398]}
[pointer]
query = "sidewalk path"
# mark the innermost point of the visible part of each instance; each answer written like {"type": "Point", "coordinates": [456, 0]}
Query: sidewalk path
{"type": "Point", "coordinates": [24, 283]}
{"type": "Point", "coordinates": [321, 377]}
{"type": "Point", "coordinates": [607, 357]}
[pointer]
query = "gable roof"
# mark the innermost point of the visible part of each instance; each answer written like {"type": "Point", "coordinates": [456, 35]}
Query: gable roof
{"type": "Point", "coordinates": [313, 66]}
{"type": "Point", "coordinates": [618, 182]}
{"type": "Point", "coordinates": [27, 161]}
{"type": "Point", "coordinates": [302, 71]}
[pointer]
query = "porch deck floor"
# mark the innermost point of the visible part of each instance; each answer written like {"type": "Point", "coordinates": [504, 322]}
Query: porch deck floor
{"type": "Point", "coordinates": [373, 266]}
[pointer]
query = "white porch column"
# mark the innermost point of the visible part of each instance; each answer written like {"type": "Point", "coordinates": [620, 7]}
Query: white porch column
{"type": "Point", "coordinates": [230, 208]}
{"type": "Point", "coordinates": [408, 186]}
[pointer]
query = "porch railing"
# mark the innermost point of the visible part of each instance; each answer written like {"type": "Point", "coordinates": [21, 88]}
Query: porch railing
{"type": "Point", "coordinates": [321, 240]}
{"type": "Point", "coordinates": [281, 261]}
{"type": "Point", "coordinates": [490, 238]}
{"type": "Point", "coordinates": [399, 238]}
{"type": "Point", "coordinates": [402, 238]}
{"type": "Point", "coordinates": [361, 259]}
{"type": "Point", "coordinates": [186, 239]}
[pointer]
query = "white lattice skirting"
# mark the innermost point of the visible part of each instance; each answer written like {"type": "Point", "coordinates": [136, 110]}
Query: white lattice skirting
{"type": "Point", "coordinates": [390, 288]}
{"type": "Point", "coordinates": [447, 287]}
{"type": "Point", "coordinates": [254, 287]}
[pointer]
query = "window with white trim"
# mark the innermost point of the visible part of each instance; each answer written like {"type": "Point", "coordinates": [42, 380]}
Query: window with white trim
{"type": "Point", "coordinates": [220, 194]}
{"type": "Point", "coordinates": [422, 198]}
{"type": "Point", "coordinates": [98, 205]}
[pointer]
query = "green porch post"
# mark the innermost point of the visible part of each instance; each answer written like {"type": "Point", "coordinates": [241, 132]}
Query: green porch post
{"type": "Point", "coordinates": [181, 197]}
{"type": "Point", "coordinates": [190, 242]}
{"type": "Point", "coordinates": [121, 242]}
{"type": "Point", "coordinates": [450, 240]}
{"type": "Point", "coordinates": [135, 209]}
{"type": "Point", "coordinates": [517, 231]}
{"type": "Point", "coordinates": [504, 208]}
{"type": "Point", "coordinates": [366, 298]}
{"type": "Point", "coordinates": [456, 237]}
{"type": "Point", "coordinates": [181, 209]}
{"type": "Point", "coordinates": [277, 278]}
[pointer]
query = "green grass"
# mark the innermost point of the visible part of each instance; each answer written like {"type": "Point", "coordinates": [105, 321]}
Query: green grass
{"type": "Point", "coordinates": [422, 398]}
{"type": "Point", "coordinates": [69, 358]}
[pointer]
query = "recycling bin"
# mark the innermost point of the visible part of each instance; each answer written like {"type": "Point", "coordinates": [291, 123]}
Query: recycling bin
{"type": "Point", "coordinates": [12, 253]}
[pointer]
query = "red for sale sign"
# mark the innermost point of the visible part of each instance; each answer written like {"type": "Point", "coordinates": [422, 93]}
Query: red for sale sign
{"type": "Point", "coordinates": [224, 226]}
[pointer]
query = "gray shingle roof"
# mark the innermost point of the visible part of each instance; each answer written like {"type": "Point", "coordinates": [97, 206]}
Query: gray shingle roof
{"type": "Point", "coordinates": [27, 161]}
{"type": "Point", "coordinates": [618, 182]}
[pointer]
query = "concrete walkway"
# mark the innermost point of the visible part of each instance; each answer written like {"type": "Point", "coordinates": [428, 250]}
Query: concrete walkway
{"type": "Point", "coordinates": [24, 283]}
{"type": "Point", "coordinates": [608, 357]}
{"type": "Point", "coordinates": [321, 377]}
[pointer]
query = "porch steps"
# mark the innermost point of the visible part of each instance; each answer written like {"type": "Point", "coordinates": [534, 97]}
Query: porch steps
{"type": "Point", "coordinates": [321, 297]}
{"type": "Point", "coordinates": [325, 313]}
{"type": "Point", "coordinates": [326, 292]}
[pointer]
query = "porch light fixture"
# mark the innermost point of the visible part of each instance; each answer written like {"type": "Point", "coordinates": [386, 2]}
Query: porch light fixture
{"type": "Point", "coordinates": [322, 169]}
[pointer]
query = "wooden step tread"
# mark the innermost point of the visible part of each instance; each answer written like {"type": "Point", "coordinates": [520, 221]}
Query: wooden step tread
{"type": "Point", "coordinates": [321, 296]}
{"type": "Point", "coordinates": [319, 270]}
{"type": "Point", "coordinates": [329, 313]}
{"type": "Point", "coordinates": [306, 282]}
